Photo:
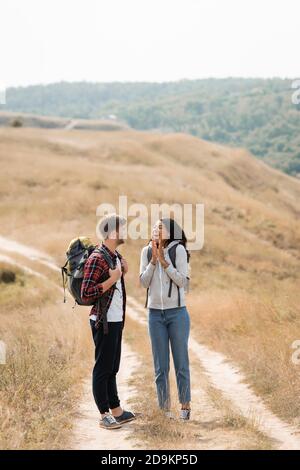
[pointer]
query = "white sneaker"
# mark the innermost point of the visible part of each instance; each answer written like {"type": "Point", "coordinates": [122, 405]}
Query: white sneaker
{"type": "Point", "coordinates": [169, 415]}
{"type": "Point", "coordinates": [109, 422]}
{"type": "Point", "coordinates": [185, 415]}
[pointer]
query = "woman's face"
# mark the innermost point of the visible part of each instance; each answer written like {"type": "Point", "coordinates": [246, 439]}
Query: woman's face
{"type": "Point", "coordinates": [159, 226]}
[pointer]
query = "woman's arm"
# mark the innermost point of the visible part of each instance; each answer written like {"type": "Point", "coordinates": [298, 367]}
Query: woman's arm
{"type": "Point", "coordinates": [146, 269]}
{"type": "Point", "coordinates": [179, 275]}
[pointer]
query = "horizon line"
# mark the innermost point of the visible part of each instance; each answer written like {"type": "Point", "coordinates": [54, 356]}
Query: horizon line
{"type": "Point", "coordinates": [184, 79]}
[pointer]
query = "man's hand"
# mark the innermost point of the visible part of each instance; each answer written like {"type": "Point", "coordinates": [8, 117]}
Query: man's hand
{"type": "Point", "coordinates": [124, 265]}
{"type": "Point", "coordinates": [154, 252]}
{"type": "Point", "coordinates": [115, 274]}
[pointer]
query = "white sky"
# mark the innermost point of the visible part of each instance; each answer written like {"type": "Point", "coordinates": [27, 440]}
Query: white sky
{"type": "Point", "coordinates": [44, 41]}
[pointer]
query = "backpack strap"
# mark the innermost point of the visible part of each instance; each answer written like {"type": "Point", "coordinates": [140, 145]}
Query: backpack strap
{"type": "Point", "coordinates": [172, 255]}
{"type": "Point", "coordinates": [149, 256]}
{"type": "Point", "coordinates": [147, 295]}
{"type": "Point", "coordinates": [106, 256]}
{"type": "Point", "coordinates": [64, 274]}
{"type": "Point", "coordinates": [111, 265]}
{"type": "Point", "coordinates": [149, 253]}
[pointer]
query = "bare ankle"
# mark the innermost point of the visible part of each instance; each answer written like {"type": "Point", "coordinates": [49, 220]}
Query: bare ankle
{"type": "Point", "coordinates": [117, 411]}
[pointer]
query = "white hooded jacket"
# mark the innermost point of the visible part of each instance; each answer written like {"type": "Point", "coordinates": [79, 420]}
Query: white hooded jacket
{"type": "Point", "coordinates": [157, 279]}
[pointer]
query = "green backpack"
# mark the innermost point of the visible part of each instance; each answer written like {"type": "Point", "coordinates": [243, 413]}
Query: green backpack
{"type": "Point", "coordinates": [72, 272]}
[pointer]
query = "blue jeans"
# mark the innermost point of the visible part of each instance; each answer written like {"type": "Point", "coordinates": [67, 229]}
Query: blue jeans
{"type": "Point", "coordinates": [170, 326]}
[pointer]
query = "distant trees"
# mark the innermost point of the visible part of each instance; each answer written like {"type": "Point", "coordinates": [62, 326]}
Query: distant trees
{"type": "Point", "coordinates": [254, 113]}
{"type": "Point", "coordinates": [294, 165]}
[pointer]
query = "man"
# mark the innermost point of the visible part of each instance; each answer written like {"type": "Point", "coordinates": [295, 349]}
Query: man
{"type": "Point", "coordinates": [104, 283]}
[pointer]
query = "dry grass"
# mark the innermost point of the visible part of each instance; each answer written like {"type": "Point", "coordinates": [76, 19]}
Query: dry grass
{"type": "Point", "coordinates": [244, 292]}
{"type": "Point", "coordinates": [153, 429]}
{"type": "Point", "coordinates": [257, 332]}
{"type": "Point", "coordinates": [46, 353]}
{"type": "Point", "coordinates": [233, 420]}
{"type": "Point", "coordinates": [215, 424]}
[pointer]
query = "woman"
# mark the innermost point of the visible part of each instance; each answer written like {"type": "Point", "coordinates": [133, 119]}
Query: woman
{"type": "Point", "coordinates": [164, 272]}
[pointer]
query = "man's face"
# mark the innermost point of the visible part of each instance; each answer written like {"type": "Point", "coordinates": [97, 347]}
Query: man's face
{"type": "Point", "coordinates": [120, 235]}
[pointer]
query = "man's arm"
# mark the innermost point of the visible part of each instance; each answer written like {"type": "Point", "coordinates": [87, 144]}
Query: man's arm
{"type": "Point", "coordinates": [92, 288]}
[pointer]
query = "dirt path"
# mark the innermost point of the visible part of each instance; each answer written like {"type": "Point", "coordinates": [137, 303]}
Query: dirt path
{"type": "Point", "coordinates": [222, 375]}
{"type": "Point", "coordinates": [87, 433]}
{"type": "Point", "coordinates": [231, 383]}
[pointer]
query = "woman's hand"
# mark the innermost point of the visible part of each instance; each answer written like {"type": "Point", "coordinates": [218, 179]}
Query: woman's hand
{"type": "Point", "coordinates": [161, 255]}
{"type": "Point", "coordinates": [154, 252]}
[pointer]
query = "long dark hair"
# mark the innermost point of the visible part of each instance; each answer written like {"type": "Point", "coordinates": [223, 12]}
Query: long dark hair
{"type": "Point", "coordinates": [175, 233]}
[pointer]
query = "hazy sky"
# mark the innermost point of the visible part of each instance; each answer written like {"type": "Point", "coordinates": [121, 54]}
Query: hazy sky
{"type": "Point", "coordinates": [44, 41]}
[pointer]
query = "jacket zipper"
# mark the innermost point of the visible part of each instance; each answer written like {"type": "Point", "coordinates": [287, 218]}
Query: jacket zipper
{"type": "Point", "coordinates": [161, 290]}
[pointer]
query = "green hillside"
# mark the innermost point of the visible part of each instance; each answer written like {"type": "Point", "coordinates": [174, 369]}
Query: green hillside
{"type": "Point", "coordinates": [257, 114]}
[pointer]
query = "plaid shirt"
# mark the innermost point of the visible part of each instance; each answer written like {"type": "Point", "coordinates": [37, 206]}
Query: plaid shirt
{"type": "Point", "coordinates": [96, 270]}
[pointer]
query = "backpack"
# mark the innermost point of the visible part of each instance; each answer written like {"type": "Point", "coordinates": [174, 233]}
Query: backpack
{"type": "Point", "coordinates": [172, 255]}
{"type": "Point", "coordinates": [77, 254]}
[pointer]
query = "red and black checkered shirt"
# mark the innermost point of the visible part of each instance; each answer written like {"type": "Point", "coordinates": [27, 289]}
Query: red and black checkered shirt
{"type": "Point", "coordinates": [96, 271]}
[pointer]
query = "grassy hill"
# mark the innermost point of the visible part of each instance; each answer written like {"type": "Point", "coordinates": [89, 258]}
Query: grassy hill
{"type": "Point", "coordinates": [257, 114]}
{"type": "Point", "coordinates": [244, 298]}
{"type": "Point", "coordinates": [11, 119]}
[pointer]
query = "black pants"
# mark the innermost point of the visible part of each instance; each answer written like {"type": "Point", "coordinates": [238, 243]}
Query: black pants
{"type": "Point", "coordinates": [107, 362]}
